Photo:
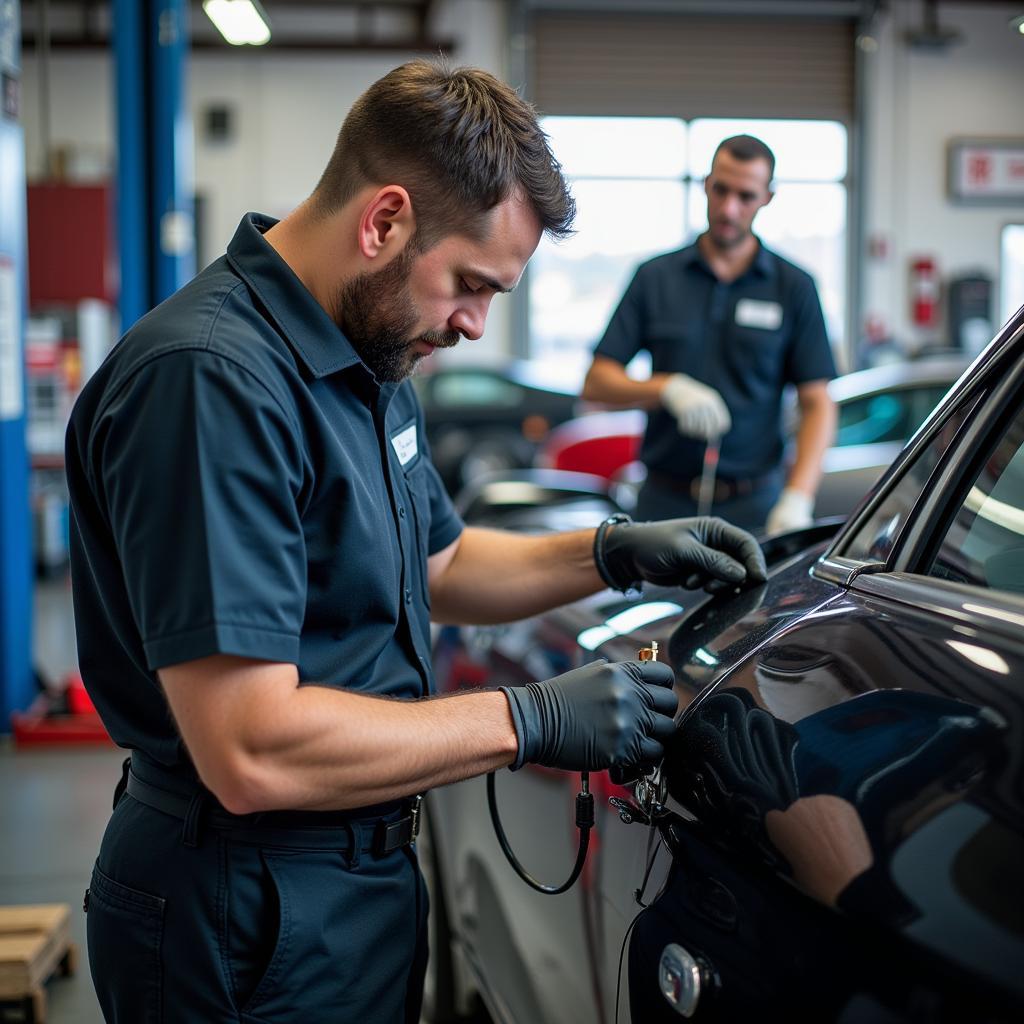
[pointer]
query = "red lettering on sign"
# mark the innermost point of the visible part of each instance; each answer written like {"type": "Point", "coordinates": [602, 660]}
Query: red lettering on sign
{"type": "Point", "coordinates": [979, 168]}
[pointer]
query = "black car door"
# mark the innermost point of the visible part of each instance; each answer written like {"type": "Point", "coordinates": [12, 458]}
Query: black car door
{"type": "Point", "coordinates": [856, 850]}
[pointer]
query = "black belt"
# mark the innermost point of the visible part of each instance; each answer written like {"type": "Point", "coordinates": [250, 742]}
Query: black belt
{"type": "Point", "coordinates": [726, 488]}
{"type": "Point", "coordinates": [376, 834]}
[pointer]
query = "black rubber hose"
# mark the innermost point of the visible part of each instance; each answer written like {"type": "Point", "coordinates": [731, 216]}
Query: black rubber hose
{"type": "Point", "coordinates": [584, 822]}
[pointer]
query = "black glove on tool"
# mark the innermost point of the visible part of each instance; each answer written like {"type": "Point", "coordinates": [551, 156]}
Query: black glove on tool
{"type": "Point", "coordinates": [704, 551]}
{"type": "Point", "coordinates": [596, 716]}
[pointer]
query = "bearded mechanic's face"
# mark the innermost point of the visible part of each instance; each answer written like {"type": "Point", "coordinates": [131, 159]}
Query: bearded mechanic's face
{"type": "Point", "coordinates": [379, 318]}
{"type": "Point", "coordinates": [421, 301]}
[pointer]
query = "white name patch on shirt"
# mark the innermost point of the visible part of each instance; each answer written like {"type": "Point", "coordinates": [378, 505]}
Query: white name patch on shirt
{"type": "Point", "coordinates": [404, 443]}
{"type": "Point", "coordinates": [767, 316]}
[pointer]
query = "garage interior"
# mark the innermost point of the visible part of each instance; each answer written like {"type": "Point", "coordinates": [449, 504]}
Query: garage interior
{"type": "Point", "coordinates": [134, 136]}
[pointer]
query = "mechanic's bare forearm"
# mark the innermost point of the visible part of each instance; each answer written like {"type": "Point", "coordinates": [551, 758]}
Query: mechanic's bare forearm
{"type": "Point", "coordinates": [261, 742]}
{"type": "Point", "coordinates": [496, 576]}
{"type": "Point", "coordinates": [607, 382]}
{"type": "Point", "coordinates": [816, 432]}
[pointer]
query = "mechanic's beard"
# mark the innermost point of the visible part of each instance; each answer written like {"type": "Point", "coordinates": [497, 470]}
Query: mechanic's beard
{"type": "Point", "coordinates": [723, 243]}
{"type": "Point", "coordinates": [378, 316]}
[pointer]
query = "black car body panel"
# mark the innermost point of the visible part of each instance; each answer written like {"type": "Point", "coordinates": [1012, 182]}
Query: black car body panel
{"type": "Point", "coordinates": [842, 837]}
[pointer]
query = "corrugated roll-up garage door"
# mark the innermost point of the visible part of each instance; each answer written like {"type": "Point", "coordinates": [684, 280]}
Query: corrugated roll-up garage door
{"type": "Point", "coordinates": [693, 66]}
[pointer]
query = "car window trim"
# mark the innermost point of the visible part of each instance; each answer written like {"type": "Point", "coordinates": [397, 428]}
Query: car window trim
{"type": "Point", "coordinates": [925, 529]}
{"type": "Point", "coordinates": [843, 571]}
{"type": "Point", "coordinates": [995, 611]}
{"type": "Point", "coordinates": [911, 452]}
{"type": "Point", "coordinates": [969, 387]}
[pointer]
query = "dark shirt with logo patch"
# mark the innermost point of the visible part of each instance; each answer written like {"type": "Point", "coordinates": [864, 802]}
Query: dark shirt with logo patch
{"type": "Point", "coordinates": [241, 484]}
{"type": "Point", "coordinates": [747, 339]}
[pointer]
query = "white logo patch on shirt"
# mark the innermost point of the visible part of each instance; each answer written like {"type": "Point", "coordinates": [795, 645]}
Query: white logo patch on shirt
{"type": "Point", "coordinates": [404, 443]}
{"type": "Point", "coordinates": [766, 316]}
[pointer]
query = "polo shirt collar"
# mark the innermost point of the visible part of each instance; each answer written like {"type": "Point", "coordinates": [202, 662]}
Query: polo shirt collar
{"type": "Point", "coordinates": [315, 337]}
{"type": "Point", "coordinates": [764, 262]}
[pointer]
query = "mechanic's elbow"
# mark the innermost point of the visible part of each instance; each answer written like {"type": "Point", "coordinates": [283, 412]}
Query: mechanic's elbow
{"type": "Point", "coordinates": [239, 786]}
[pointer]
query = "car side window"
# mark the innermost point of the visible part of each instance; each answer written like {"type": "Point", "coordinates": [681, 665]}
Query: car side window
{"type": "Point", "coordinates": [874, 541]}
{"type": "Point", "coordinates": [476, 389]}
{"type": "Point", "coordinates": [872, 419]}
{"type": "Point", "coordinates": [892, 416]}
{"type": "Point", "coordinates": [984, 545]}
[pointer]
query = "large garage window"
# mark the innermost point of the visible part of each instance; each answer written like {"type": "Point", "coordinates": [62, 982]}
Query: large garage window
{"type": "Point", "coordinates": [638, 184]}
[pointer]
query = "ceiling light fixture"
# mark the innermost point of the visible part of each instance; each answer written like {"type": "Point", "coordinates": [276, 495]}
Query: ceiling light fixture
{"type": "Point", "coordinates": [1018, 23]}
{"type": "Point", "coordinates": [240, 22]}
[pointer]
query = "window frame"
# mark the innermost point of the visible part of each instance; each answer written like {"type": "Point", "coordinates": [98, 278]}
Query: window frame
{"type": "Point", "coordinates": [997, 388]}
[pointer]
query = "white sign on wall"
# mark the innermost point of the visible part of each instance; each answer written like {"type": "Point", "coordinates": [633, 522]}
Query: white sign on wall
{"type": "Point", "coordinates": [987, 171]}
{"type": "Point", "coordinates": [11, 389]}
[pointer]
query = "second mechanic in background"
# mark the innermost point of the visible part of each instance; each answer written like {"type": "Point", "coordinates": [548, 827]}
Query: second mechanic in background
{"type": "Point", "coordinates": [728, 325]}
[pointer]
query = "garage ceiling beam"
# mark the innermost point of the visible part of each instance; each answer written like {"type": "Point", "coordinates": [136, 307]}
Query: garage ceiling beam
{"type": "Point", "coordinates": [356, 26]}
{"type": "Point", "coordinates": [724, 8]}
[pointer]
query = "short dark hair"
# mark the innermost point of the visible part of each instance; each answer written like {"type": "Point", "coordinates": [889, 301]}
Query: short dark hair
{"type": "Point", "coordinates": [746, 147]}
{"type": "Point", "coordinates": [459, 140]}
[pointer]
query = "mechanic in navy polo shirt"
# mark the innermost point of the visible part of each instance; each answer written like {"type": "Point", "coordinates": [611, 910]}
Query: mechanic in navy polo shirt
{"type": "Point", "coordinates": [728, 324]}
{"type": "Point", "coordinates": [259, 543]}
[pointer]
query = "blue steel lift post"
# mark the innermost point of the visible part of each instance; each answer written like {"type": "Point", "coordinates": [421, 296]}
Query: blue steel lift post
{"type": "Point", "coordinates": [154, 153]}
{"type": "Point", "coordinates": [16, 682]}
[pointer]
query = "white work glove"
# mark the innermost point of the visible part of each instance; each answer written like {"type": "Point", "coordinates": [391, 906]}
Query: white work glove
{"type": "Point", "coordinates": [698, 409]}
{"type": "Point", "coordinates": [791, 512]}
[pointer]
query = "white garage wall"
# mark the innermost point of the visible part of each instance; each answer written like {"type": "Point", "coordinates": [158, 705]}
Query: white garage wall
{"type": "Point", "coordinates": [917, 101]}
{"type": "Point", "coordinates": [289, 108]}
{"type": "Point", "coordinates": [287, 112]}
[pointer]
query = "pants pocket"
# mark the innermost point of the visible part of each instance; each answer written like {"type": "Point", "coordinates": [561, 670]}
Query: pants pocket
{"type": "Point", "coordinates": [309, 939]}
{"type": "Point", "coordinates": [125, 933]}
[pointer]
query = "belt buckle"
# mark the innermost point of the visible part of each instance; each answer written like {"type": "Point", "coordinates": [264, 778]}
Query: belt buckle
{"type": "Point", "coordinates": [393, 835]}
{"type": "Point", "coordinates": [414, 812]}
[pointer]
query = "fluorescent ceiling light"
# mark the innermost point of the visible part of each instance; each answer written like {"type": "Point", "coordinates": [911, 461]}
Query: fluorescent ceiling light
{"type": "Point", "coordinates": [1018, 23]}
{"type": "Point", "coordinates": [240, 22]}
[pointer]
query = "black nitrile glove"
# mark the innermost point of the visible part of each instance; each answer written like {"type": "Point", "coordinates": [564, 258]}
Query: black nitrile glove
{"type": "Point", "coordinates": [596, 716]}
{"type": "Point", "coordinates": [704, 551]}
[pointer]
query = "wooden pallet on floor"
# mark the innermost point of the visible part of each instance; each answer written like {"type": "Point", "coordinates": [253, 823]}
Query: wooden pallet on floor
{"type": "Point", "coordinates": [35, 941]}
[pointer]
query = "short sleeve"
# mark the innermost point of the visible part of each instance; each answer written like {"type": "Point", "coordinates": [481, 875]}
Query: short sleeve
{"type": "Point", "coordinates": [624, 336]}
{"type": "Point", "coordinates": [810, 355]}
{"type": "Point", "coordinates": [445, 522]}
{"type": "Point", "coordinates": [200, 470]}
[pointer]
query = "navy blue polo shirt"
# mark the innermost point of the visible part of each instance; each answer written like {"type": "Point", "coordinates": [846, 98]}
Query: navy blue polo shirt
{"type": "Point", "coordinates": [241, 484]}
{"type": "Point", "coordinates": [747, 339]}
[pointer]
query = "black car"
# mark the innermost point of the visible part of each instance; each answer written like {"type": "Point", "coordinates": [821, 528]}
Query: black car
{"type": "Point", "coordinates": [482, 419]}
{"type": "Point", "coordinates": [837, 830]}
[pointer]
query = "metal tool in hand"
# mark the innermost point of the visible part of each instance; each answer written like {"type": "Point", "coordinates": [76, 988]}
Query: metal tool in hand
{"type": "Point", "coordinates": [708, 475]}
{"type": "Point", "coordinates": [647, 789]}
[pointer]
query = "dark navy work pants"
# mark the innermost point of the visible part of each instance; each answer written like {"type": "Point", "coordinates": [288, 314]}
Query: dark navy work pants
{"type": "Point", "coordinates": [750, 511]}
{"type": "Point", "coordinates": [252, 926]}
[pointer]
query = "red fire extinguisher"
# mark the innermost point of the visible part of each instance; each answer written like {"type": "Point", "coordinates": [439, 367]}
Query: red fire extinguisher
{"type": "Point", "coordinates": [924, 292]}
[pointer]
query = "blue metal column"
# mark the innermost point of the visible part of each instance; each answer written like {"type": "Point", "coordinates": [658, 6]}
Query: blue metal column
{"type": "Point", "coordinates": [171, 204]}
{"type": "Point", "coordinates": [16, 683]}
{"type": "Point", "coordinates": [133, 243]}
{"type": "Point", "coordinates": [155, 156]}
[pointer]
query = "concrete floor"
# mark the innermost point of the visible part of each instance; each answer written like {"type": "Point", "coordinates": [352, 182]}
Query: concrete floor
{"type": "Point", "coordinates": [54, 805]}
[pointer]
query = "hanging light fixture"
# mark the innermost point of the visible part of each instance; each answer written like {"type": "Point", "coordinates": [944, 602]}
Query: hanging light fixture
{"type": "Point", "coordinates": [240, 22]}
